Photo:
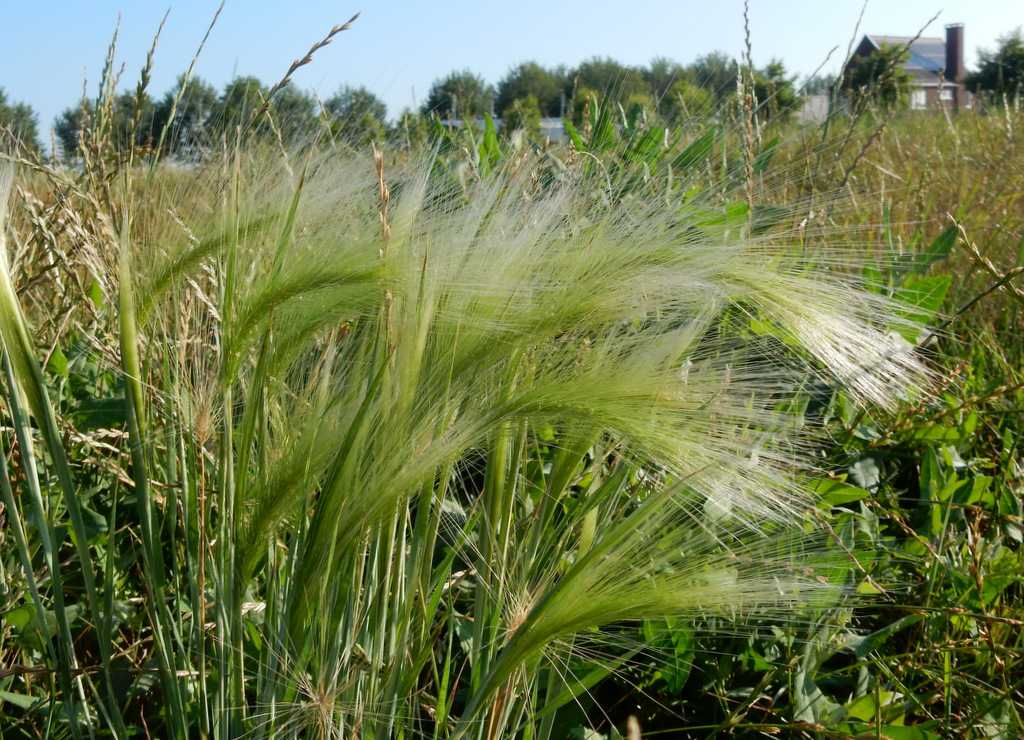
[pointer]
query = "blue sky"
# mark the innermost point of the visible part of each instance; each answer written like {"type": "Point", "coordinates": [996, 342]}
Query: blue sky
{"type": "Point", "coordinates": [48, 48]}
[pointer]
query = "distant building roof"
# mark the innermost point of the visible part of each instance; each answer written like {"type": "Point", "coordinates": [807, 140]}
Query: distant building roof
{"type": "Point", "coordinates": [927, 57]}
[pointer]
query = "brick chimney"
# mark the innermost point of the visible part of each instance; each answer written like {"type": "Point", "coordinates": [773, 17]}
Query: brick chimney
{"type": "Point", "coordinates": [955, 52]}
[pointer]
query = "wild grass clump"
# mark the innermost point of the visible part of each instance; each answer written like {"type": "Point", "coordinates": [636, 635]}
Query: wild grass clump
{"type": "Point", "coordinates": [408, 445]}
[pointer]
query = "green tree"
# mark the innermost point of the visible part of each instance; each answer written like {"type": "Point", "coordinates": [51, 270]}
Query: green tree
{"type": "Point", "coordinates": [188, 131]}
{"type": "Point", "coordinates": [775, 91]}
{"type": "Point", "coordinates": [411, 129]}
{"type": "Point", "coordinates": [131, 127]}
{"type": "Point", "coordinates": [112, 126]}
{"type": "Point", "coordinates": [67, 128]}
{"type": "Point", "coordinates": [356, 115]}
{"type": "Point", "coordinates": [294, 114]}
{"type": "Point", "coordinates": [880, 77]}
{"type": "Point", "coordinates": [684, 99]}
{"type": "Point", "coordinates": [675, 90]}
{"type": "Point", "coordinates": [459, 95]}
{"type": "Point", "coordinates": [236, 104]}
{"type": "Point", "coordinates": [1001, 71]}
{"type": "Point", "coordinates": [662, 74]}
{"type": "Point", "coordinates": [716, 73]}
{"type": "Point", "coordinates": [20, 120]}
{"type": "Point", "coordinates": [530, 79]}
{"type": "Point", "coordinates": [611, 80]}
{"type": "Point", "coordinates": [523, 114]}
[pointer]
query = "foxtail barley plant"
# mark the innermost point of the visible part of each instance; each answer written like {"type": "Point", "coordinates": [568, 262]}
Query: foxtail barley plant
{"type": "Point", "coordinates": [399, 446]}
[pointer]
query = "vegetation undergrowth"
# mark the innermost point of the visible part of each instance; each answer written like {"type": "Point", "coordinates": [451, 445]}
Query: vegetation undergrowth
{"type": "Point", "coordinates": [497, 439]}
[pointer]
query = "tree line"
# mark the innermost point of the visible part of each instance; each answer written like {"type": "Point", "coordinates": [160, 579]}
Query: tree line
{"type": "Point", "coordinates": [194, 115]}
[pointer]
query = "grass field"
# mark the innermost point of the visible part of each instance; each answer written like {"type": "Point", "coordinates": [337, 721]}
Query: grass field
{"type": "Point", "coordinates": [691, 432]}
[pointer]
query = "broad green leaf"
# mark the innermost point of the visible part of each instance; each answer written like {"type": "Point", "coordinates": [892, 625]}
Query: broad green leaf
{"type": "Point", "coordinates": [862, 645]}
{"type": "Point", "coordinates": [95, 524]}
{"type": "Point", "coordinates": [766, 217]}
{"type": "Point", "coordinates": [869, 706]}
{"type": "Point", "coordinates": [58, 362]}
{"type": "Point", "coordinates": [20, 617]}
{"type": "Point", "coordinates": [574, 136]}
{"type": "Point", "coordinates": [96, 294]}
{"type": "Point", "coordinates": [866, 471]}
{"type": "Point", "coordinates": [937, 250]}
{"type": "Point", "coordinates": [645, 146]}
{"type": "Point", "coordinates": [836, 492]}
{"type": "Point", "coordinates": [873, 279]}
{"type": "Point", "coordinates": [919, 300]}
{"type": "Point", "coordinates": [100, 413]}
{"type": "Point", "coordinates": [765, 156]}
{"type": "Point", "coordinates": [602, 130]}
{"type": "Point", "coordinates": [694, 154]}
{"type": "Point", "coordinates": [22, 701]}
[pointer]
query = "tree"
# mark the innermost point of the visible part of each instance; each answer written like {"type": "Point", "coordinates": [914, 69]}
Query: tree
{"type": "Point", "coordinates": [662, 74]}
{"type": "Point", "coordinates": [716, 73]}
{"type": "Point", "coordinates": [879, 77]}
{"type": "Point", "coordinates": [459, 95]}
{"type": "Point", "coordinates": [236, 104]}
{"type": "Point", "coordinates": [111, 126]}
{"type": "Point", "coordinates": [675, 89]}
{"type": "Point", "coordinates": [1000, 72]}
{"type": "Point", "coordinates": [530, 79]}
{"type": "Point", "coordinates": [411, 129]}
{"type": "Point", "coordinates": [818, 84]}
{"type": "Point", "coordinates": [356, 115]}
{"type": "Point", "coordinates": [610, 80]}
{"type": "Point", "coordinates": [67, 128]}
{"type": "Point", "coordinates": [775, 91]}
{"type": "Point", "coordinates": [293, 112]}
{"type": "Point", "coordinates": [523, 114]}
{"type": "Point", "coordinates": [128, 126]}
{"type": "Point", "coordinates": [188, 132]}
{"type": "Point", "coordinates": [684, 99]}
{"type": "Point", "coordinates": [20, 120]}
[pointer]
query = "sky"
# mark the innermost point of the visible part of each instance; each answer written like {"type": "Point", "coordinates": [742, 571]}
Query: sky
{"type": "Point", "coordinates": [49, 49]}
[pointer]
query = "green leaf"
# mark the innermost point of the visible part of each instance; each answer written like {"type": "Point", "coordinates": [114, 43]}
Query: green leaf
{"type": "Point", "coordinates": [695, 154]}
{"type": "Point", "coordinates": [765, 156]}
{"type": "Point", "coordinates": [645, 147]}
{"type": "Point", "coordinates": [919, 300]}
{"type": "Point", "coordinates": [21, 701]}
{"type": "Point", "coordinates": [574, 136]}
{"type": "Point", "coordinates": [873, 279]}
{"type": "Point", "coordinates": [20, 617]}
{"type": "Point", "coordinates": [766, 217]}
{"type": "Point", "coordinates": [836, 493]}
{"type": "Point", "coordinates": [862, 645]}
{"type": "Point", "coordinates": [866, 471]}
{"type": "Point", "coordinates": [869, 707]}
{"type": "Point", "coordinates": [674, 644]}
{"type": "Point", "coordinates": [58, 362]}
{"type": "Point", "coordinates": [100, 413]}
{"type": "Point", "coordinates": [937, 250]}
{"type": "Point", "coordinates": [602, 130]}
{"type": "Point", "coordinates": [971, 491]}
{"type": "Point", "coordinates": [96, 294]}
{"type": "Point", "coordinates": [490, 147]}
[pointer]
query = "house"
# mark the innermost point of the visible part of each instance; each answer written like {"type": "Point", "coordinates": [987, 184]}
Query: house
{"type": "Point", "coordinates": [937, 65]}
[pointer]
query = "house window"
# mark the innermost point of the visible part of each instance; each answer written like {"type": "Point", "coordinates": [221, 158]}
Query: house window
{"type": "Point", "coordinates": [918, 101]}
{"type": "Point", "coordinates": [946, 94]}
